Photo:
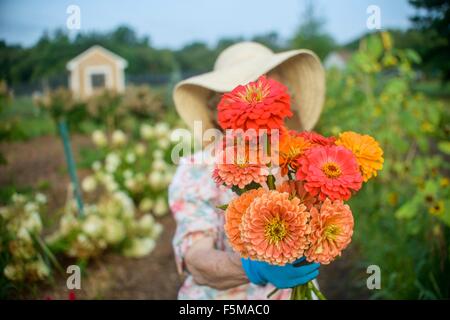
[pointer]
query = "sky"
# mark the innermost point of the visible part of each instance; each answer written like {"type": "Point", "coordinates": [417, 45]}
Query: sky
{"type": "Point", "coordinates": [174, 23]}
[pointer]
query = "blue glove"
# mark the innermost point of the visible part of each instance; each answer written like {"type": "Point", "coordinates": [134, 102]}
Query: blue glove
{"type": "Point", "coordinates": [282, 277]}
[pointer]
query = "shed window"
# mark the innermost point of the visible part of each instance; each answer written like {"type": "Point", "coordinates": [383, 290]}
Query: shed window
{"type": "Point", "coordinates": [98, 80]}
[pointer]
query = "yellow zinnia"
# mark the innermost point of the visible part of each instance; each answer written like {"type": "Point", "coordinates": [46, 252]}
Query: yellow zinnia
{"type": "Point", "coordinates": [367, 151]}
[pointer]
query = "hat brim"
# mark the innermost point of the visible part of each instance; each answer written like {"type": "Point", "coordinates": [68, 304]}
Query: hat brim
{"type": "Point", "coordinates": [191, 95]}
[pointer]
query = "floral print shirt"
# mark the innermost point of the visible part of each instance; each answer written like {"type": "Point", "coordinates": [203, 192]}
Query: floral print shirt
{"type": "Point", "coordinates": [193, 197]}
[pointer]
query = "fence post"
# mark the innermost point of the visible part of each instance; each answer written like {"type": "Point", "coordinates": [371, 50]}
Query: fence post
{"type": "Point", "coordinates": [64, 132]}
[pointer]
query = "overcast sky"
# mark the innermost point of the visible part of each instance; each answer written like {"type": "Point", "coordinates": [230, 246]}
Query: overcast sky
{"type": "Point", "coordinates": [173, 23]}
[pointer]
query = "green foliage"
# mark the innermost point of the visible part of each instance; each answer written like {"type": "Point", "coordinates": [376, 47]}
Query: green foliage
{"type": "Point", "coordinates": [402, 216]}
{"type": "Point", "coordinates": [433, 19]}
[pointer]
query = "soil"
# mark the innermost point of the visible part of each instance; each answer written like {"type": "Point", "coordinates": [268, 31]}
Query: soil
{"type": "Point", "coordinates": [41, 162]}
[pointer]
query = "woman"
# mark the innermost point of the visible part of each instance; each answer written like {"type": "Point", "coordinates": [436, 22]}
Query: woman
{"type": "Point", "coordinates": [213, 270]}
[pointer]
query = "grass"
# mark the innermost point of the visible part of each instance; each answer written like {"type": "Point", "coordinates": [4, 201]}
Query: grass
{"type": "Point", "coordinates": [28, 121]}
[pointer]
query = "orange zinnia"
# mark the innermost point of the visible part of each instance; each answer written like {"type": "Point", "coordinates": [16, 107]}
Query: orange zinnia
{"type": "Point", "coordinates": [274, 228]}
{"type": "Point", "coordinates": [233, 218]}
{"type": "Point", "coordinates": [367, 151]}
{"type": "Point", "coordinates": [291, 148]}
{"type": "Point", "coordinates": [332, 230]}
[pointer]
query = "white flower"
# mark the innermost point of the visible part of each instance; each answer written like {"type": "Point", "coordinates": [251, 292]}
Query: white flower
{"type": "Point", "coordinates": [162, 129]}
{"type": "Point", "coordinates": [89, 184]}
{"type": "Point", "coordinates": [93, 226]}
{"type": "Point", "coordinates": [37, 270]}
{"type": "Point", "coordinates": [157, 230]}
{"type": "Point", "coordinates": [96, 166]}
{"type": "Point", "coordinates": [114, 231]}
{"type": "Point", "coordinates": [109, 182]}
{"type": "Point", "coordinates": [126, 202]}
{"type": "Point", "coordinates": [164, 143]}
{"type": "Point", "coordinates": [140, 149]}
{"type": "Point", "coordinates": [127, 174]}
{"type": "Point", "coordinates": [5, 213]}
{"type": "Point", "coordinates": [30, 207]}
{"type": "Point", "coordinates": [18, 198]}
{"type": "Point", "coordinates": [130, 184]}
{"type": "Point", "coordinates": [33, 222]}
{"type": "Point", "coordinates": [67, 223]}
{"type": "Point", "coordinates": [112, 162]}
{"type": "Point", "coordinates": [146, 132]}
{"type": "Point", "coordinates": [14, 272]}
{"type": "Point", "coordinates": [155, 179]}
{"type": "Point", "coordinates": [146, 204]}
{"type": "Point", "coordinates": [119, 138]}
{"type": "Point", "coordinates": [158, 154]}
{"type": "Point", "coordinates": [130, 157]}
{"type": "Point", "coordinates": [168, 176]}
{"type": "Point", "coordinates": [146, 223]}
{"type": "Point", "coordinates": [40, 198]}
{"type": "Point", "coordinates": [160, 207]}
{"type": "Point", "coordinates": [159, 165]}
{"type": "Point", "coordinates": [139, 247]}
{"type": "Point", "coordinates": [23, 234]}
{"type": "Point", "coordinates": [99, 138]}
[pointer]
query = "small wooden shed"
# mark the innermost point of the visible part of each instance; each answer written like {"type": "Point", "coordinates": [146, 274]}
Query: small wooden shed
{"type": "Point", "coordinates": [94, 70]}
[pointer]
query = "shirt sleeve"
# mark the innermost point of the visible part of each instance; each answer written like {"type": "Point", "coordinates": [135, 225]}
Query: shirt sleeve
{"type": "Point", "coordinates": [192, 200]}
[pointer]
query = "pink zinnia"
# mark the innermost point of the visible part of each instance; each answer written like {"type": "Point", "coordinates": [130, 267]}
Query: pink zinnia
{"type": "Point", "coordinates": [262, 104]}
{"type": "Point", "coordinates": [330, 171]}
{"type": "Point", "coordinates": [332, 230]}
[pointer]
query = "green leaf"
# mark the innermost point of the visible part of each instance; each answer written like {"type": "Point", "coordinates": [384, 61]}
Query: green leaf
{"type": "Point", "coordinates": [222, 207]}
{"type": "Point", "coordinates": [444, 146]}
{"type": "Point", "coordinates": [409, 209]}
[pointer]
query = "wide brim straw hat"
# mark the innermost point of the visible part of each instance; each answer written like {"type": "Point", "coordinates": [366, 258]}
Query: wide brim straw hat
{"type": "Point", "coordinates": [300, 70]}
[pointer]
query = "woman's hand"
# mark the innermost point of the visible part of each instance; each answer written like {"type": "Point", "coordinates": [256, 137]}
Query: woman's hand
{"type": "Point", "coordinates": [287, 276]}
{"type": "Point", "coordinates": [214, 268]}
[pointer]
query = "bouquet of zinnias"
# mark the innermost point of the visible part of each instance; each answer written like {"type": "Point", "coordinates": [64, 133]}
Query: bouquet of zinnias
{"type": "Point", "coordinates": [291, 186]}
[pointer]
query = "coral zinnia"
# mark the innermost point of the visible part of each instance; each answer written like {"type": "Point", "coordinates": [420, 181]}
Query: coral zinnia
{"type": "Point", "coordinates": [234, 168]}
{"type": "Point", "coordinates": [291, 148]}
{"type": "Point", "coordinates": [330, 171]}
{"type": "Point", "coordinates": [316, 139]}
{"type": "Point", "coordinates": [367, 151]}
{"type": "Point", "coordinates": [262, 104]}
{"type": "Point", "coordinates": [332, 229]}
{"type": "Point", "coordinates": [274, 228]}
{"type": "Point", "coordinates": [233, 218]}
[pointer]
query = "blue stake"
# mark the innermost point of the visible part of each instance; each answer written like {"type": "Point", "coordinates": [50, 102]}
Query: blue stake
{"type": "Point", "coordinates": [64, 132]}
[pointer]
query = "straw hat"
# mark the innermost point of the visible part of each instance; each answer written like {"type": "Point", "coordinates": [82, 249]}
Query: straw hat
{"type": "Point", "coordinates": [300, 70]}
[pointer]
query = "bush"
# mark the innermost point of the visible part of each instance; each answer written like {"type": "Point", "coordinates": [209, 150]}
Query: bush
{"type": "Point", "coordinates": [403, 217]}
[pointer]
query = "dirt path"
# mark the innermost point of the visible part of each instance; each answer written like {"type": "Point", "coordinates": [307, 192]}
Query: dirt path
{"type": "Point", "coordinates": [41, 162]}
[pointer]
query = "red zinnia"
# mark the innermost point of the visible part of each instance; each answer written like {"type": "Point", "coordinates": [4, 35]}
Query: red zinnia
{"type": "Point", "coordinates": [330, 171]}
{"type": "Point", "coordinates": [314, 138]}
{"type": "Point", "coordinates": [262, 104]}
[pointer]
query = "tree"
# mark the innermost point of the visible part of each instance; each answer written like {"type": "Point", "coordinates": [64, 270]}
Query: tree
{"type": "Point", "coordinates": [433, 19]}
{"type": "Point", "coordinates": [310, 34]}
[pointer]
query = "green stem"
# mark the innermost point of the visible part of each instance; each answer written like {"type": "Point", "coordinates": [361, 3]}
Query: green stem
{"type": "Point", "coordinates": [271, 182]}
{"type": "Point", "coordinates": [48, 253]}
{"type": "Point", "coordinates": [317, 292]}
{"type": "Point", "coordinates": [272, 293]}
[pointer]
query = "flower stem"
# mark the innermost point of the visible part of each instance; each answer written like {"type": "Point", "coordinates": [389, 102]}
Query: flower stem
{"type": "Point", "coordinates": [272, 293]}
{"type": "Point", "coordinates": [271, 182]}
{"type": "Point", "coordinates": [317, 292]}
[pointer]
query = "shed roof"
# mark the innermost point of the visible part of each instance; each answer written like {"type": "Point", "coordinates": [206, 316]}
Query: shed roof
{"type": "Point", "coordinates": [121, 62]}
